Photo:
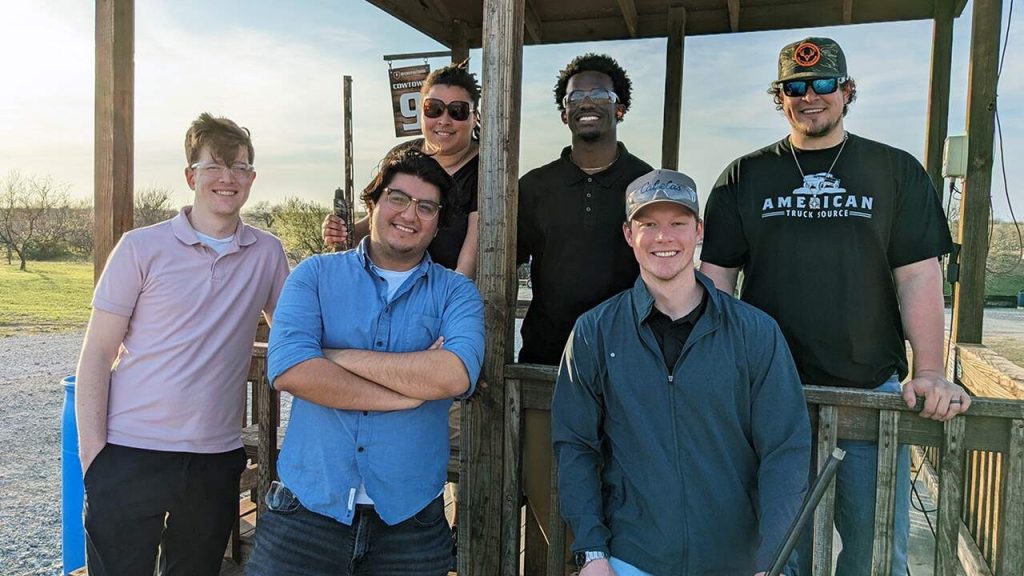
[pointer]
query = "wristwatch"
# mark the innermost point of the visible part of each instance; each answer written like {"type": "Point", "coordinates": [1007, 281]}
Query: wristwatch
{"type": "Point", "coordinates": [584, 558]}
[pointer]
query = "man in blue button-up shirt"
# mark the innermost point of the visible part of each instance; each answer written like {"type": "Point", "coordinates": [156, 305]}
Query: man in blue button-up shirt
{"type": "Point", "coordinates": [373, 343]}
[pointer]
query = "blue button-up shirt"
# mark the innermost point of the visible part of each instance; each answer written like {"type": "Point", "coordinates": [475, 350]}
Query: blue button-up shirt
{"type": "Point", "coordinates": [338, 301]}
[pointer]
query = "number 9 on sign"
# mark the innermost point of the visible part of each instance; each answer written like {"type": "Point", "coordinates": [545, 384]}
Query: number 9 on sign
{"type": "Point", "coordinates": [408, 105]}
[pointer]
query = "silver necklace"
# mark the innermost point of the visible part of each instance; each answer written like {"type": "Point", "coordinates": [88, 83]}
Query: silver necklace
{"type": "Point", "coordinates": [803, 177]}
{"type": "Point", "coordinates": [598, 168]}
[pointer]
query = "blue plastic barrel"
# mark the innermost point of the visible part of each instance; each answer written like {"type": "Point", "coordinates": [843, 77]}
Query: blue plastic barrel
{"type": "Point", "coordinates": [71, 487]}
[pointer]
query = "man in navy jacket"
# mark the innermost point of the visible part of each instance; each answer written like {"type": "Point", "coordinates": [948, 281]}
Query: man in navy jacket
{"type": "Point", "coordinates": [678, 417]}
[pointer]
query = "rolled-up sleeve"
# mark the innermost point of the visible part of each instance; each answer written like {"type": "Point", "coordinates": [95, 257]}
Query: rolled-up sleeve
{"type": "Point", "coordinates": [463, 329]}
{"type": "Point", "coordinates": [297, 328]}
{"type": "Point", "coordinates": [576, 411]}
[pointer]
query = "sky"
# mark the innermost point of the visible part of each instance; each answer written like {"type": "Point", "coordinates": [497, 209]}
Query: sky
{"type": "Point", "coordinates": [276, 68]}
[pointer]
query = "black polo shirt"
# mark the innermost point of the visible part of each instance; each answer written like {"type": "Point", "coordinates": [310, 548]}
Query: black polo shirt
{"type": "Point", "coordinates": [672, 334]}
{"type": "Point", "coordinates": [570, 229]}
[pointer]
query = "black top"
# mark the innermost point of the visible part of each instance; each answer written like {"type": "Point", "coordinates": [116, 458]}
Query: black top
{"type": "Point", "coordinates": [818, 252]}
{"type": "Point", "coordinates": [672, 334]}
{"type": "Point", "coordinates": [570, 225]}
{"type": "Point", "coordinates": [445, 247]}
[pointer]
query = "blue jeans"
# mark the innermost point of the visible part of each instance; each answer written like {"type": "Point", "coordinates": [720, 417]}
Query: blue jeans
{"type": "Point", "coordinates": [291, 539]}
{"type": "Point", "coordinates": [855, 506]}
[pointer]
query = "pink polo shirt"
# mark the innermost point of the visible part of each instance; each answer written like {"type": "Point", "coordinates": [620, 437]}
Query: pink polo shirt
{"type": "Point", "coordinates": [179, 380]}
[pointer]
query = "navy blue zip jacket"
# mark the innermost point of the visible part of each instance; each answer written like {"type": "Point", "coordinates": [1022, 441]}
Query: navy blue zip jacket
{"type": "Point", "coordinates": [700, 471]}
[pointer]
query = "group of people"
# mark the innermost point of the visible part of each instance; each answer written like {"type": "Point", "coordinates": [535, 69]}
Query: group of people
{"type": "Point", "coordinates": [678, 420]}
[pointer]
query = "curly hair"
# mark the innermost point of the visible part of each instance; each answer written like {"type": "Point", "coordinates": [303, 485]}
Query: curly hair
{"type": "Point", "coordinates": [412, 161]}
{"type": "Point", "coordinates": [223, 136]}
{"type": "Point", "coordinates": [457, 75]}
{"type": "Point", "coordinates": [775, 89]}
{"type": "Point", "coordinates": [595, 63]}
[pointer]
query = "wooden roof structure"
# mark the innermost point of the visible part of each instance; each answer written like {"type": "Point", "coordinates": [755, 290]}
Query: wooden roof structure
{"type": "Point", "coordinates": [556, 21]}
{"type": "Point", "coordinates": [491, 423]}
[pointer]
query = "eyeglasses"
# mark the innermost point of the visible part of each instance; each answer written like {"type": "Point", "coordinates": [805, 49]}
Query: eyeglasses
{"type": "Point", "coordinates": [598, 96]}
{"type": "Point", "coordinates": [821, 86]}
{"type": "Point", "coordinates": [458, 110]}
{"type": "Point", "coordinates": [240, 171]}
{"type": "Point", "coordinates": [425, 209]}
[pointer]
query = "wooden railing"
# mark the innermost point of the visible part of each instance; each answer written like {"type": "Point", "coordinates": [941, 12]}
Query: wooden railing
{"type": "Point", "coordinates": [991, 425]}
{"type": "Point", "coordinates": [983, 373]}
{"type": "Point", "coordinates": [979, 456]}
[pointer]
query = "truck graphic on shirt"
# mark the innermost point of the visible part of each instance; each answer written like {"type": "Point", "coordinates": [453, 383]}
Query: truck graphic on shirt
{"type": "Point", "coordinates": [820, 183]}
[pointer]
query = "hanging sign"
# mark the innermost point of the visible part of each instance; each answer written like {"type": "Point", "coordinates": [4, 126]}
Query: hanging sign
{"type": "Point", "coordinates": [405, 97]}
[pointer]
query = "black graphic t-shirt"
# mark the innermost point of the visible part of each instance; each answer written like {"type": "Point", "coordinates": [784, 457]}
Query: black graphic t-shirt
{"type": "Point", "coordinates": [817, 249]}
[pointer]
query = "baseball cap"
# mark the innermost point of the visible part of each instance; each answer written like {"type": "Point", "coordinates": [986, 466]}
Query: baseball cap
{"type": "Point", "coordinates": [661, 186]}
{"type": "Point", "coordinates": [811, 58]}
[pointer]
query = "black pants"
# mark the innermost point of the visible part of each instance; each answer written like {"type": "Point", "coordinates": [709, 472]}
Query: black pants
{"type": "Point", "coordinates": [145, 508]}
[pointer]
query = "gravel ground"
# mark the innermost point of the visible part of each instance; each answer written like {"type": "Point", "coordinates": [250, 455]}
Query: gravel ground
{"type": "Point", "coordinates": [31, 399]}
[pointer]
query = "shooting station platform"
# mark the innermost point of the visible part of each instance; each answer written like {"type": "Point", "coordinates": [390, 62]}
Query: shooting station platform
{"type": "Point", "coordinates": [979, 487]}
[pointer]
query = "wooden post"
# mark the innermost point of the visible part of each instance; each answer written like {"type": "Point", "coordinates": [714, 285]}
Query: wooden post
{"type": "Point", "coordinates": [951, 486]}
{"type": "Point", "coordinates": [1011, 544]}
{"type": "Point", "coordinates": [969, 292]}
{"type": "Point", "coordinates": [490, 485]}
{"type": "Point", "coordinates": [885, 491]}
{"type": "Point", "coordinates": [824, 514]}
{"type": "Point", "coordinates": [938, 97]}
{"type": "Point", "coordinates": [114, 125]}
{"type": "Point", "coordinates": [673, 87]}
{"type": "Point", "coordinates": [460, 41]}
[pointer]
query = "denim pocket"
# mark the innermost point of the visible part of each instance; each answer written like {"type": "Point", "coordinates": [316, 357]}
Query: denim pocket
{"type": "Point", "coordinates": [432, 515]}
{"type": "Point", "coordinates": [281, 500]}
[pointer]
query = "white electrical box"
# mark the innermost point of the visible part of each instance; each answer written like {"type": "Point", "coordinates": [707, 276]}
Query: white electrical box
{"type": "Point", "coordinates": [954, 157]}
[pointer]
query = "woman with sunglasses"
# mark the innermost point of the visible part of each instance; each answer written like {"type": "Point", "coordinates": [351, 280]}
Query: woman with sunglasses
{"type": "Point", "coordinates": [450, 121]}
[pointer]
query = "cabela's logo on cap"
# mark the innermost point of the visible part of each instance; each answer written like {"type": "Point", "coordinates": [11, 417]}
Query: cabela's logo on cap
{"type": "Point", "coordinates": [806, 54]}
{"type": "Point", "coordinates": [666, 187]}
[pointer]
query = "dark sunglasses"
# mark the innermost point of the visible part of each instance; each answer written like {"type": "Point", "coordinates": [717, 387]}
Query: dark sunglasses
{"type": "Point", "coordinates": [457, 109]}
{"type": "Point", "coordinates": [821, 86]}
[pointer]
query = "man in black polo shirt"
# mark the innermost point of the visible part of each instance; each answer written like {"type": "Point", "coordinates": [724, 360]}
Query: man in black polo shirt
{"type": "Point", "coordinates": [570, 230]}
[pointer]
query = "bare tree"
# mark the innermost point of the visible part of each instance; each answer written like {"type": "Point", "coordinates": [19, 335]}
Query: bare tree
{"type": "Point", "coordinates": [34, 212]}
{"type": "Point", "coordinates": [298, 226]}
{"type": "Point", "coordinates": [152, 205]}
{"type": "Point", "coordinates": [263, 215]}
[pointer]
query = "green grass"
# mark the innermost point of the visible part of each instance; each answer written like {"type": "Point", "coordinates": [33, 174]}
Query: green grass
{"type": "Point", "coordinates": [48, 297]}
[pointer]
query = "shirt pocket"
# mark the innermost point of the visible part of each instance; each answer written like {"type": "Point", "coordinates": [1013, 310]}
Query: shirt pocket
{"type": "Point", "coordinates": [421, 331]}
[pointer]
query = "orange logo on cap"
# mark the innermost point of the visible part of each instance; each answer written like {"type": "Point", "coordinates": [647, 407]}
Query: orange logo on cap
{"type": "Point", "coordinates": [806, 54]}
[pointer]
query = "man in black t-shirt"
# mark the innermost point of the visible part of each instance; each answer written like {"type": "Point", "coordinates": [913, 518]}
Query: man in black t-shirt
{"type": "Point", "coordinates": [838, 238]}
{"type": "Point", "coordinates": [570, 230]}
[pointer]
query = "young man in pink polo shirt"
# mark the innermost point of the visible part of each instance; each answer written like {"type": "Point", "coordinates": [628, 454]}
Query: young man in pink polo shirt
{"type": "Point", "coordinates": [161, 378]}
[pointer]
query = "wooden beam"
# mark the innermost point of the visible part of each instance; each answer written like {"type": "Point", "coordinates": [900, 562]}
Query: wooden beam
{"type": "Point", "coordinates": [951, 486]}
{"type": "Point", "coordinates": [534, 27]}
{"type": "Point", "coordinates": [969, 292]}
{"type": "Point", "coordinates": [114, 148]}
{"type": "Point", "coordinates": [938, 94]}
{"type": "Point", "coordinates": [885, 491]}
{"type": "Point", "coordinates": [487, 534]}
{"type": "Point", "coordinates": [629, 15]}
{"type": "Point", "coordinates": [420, 15]}
{"type": "Point", "coordinates": [734, 15]}
{"type": "Point", "coordinates": [460, 41]}
{"type": "Point", "coordinates": [847, 11]}
{"type": "Point", "coordinates": [824, 514]}
{"type": "Point", "coordinates": [1011, 544]}
{"type": "Point", "coordinates": [673, 87]}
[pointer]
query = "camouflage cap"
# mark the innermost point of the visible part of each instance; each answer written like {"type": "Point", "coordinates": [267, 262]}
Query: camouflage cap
{"type": "Point", "coordinates": [812, 58]}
